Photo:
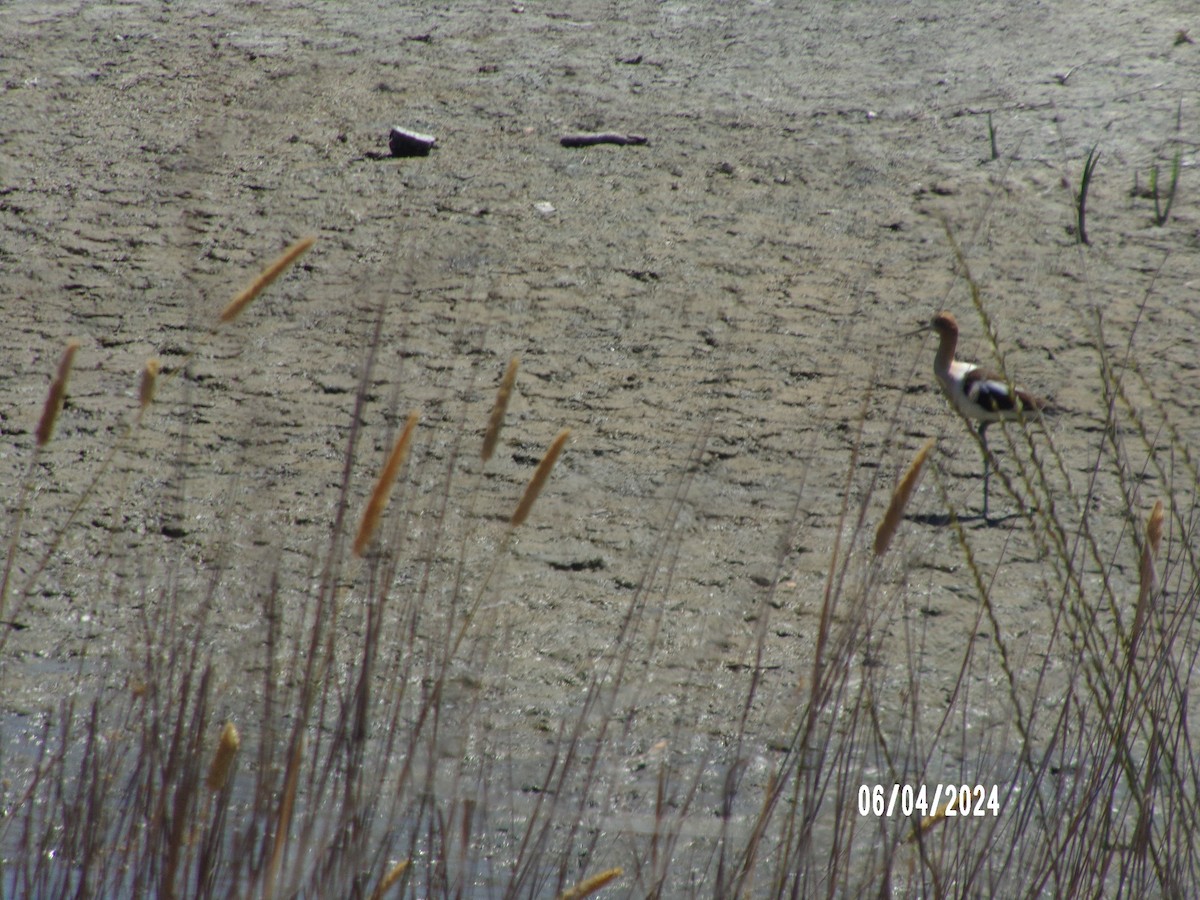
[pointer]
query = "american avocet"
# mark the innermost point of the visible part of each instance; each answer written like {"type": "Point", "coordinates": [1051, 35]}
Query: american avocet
{"type": "Point", "coordinates": [976, 393]}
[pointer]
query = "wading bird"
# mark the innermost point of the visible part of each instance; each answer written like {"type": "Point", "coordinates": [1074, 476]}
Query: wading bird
{"type": "Point", "coordinates": [976, 393]}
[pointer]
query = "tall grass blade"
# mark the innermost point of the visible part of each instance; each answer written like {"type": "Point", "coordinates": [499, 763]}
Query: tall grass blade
{"type": "Point", "coordinates": [1085, 183]}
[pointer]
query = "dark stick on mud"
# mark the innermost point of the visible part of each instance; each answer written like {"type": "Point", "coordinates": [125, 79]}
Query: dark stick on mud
{"type": "Point", "coordinates": [588, 140]}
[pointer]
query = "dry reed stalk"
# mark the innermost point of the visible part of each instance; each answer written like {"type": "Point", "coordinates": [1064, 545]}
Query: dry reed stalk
{"type": "Point", "coordinates": [538, 481]}
{"type": "Point", "coordinates": [900, 497]}
{"type": "Point", "coordinates": [391, 878]}
{"type": "Point", "coordinates": [284, 823]}
{"type": "Point", "coordinates": [58, 392]}
{"type": "Point", "coordinates": [222, 762]}
{"type": "Point", "coordinates": [499, 408]}
{"type": "Point", "coordinates": [589, 886]}
{"type": "Point", "coordinates": [149, 383]}
{"type": "Point", "coordinates": [235, 306]}
{"type": "Point", "coordinates": [383, 487]}
{"type": "Point", "coordinates": [1147, 576]}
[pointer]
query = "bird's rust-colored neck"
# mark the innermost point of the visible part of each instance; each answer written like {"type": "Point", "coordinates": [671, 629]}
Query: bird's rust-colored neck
{"type": "Point", "coordinates": [947, 329]}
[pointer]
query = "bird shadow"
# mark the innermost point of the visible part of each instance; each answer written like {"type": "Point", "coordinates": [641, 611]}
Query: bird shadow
{"type": "Point", "coordinates": [941, 520]}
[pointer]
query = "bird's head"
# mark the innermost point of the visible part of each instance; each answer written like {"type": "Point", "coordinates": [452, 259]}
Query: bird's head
{"type": "Point", "coordinates": [944, 323]}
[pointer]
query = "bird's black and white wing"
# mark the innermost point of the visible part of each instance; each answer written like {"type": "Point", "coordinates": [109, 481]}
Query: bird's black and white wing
{"type": "Point", "coordinates": [989, 392]}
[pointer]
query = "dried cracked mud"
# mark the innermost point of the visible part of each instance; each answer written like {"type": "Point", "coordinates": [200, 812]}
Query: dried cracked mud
{"type": "Point", "coordinates": [716, 314]}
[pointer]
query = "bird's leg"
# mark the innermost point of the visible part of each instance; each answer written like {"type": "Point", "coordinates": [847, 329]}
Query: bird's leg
{"type": "Point", "coordinates": [986, 461]}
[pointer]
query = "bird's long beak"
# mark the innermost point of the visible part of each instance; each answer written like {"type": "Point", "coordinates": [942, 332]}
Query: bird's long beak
{"type": "Point", "coordinates": [921, 330]}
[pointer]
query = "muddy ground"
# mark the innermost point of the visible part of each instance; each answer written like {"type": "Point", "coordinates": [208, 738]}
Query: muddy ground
{"type": "Point", "coordinates": [734, 288]}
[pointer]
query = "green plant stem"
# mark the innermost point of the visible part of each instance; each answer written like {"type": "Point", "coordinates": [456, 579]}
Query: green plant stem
{"type": "Point", "coordinates": [1085, 183]}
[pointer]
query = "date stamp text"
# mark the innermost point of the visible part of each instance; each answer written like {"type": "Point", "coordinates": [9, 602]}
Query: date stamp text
{"type": "Point", "coordinates": [943, 800]}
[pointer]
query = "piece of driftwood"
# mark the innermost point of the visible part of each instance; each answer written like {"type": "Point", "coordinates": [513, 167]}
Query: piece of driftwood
{"type": "Point", "coordinates": [606, 137]}
{"type": "Point", "coordinates": [403, 142]}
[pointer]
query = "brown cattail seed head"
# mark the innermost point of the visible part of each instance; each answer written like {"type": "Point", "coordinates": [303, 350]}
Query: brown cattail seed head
{"type": "Point", "coordinates": [391, 878]}
{"type": "Point", "coordinates": [235, 306]}
{"type": "Point", "coordinates": [1154, 528]}
{"type": "Point", "coordinates": [900, 497]}
{"type": "Point", "coordinates": [383, 487]}
{"type": "Point", "coordinates": [222, 762]}
{"type": "Point", "coordinates": [58, 392]}
{"type": "Point", "coordinates": [538, 481]}
{"type": "Point", "coordinates": [149, 383]}
{"type": "Point", "coordinates": [589, 886]}
{"type": "Point", "coordinates": [499, 408]}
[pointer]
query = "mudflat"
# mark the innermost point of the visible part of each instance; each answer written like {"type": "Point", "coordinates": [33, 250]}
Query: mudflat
{"type": "Point", "coordinates": [717, 313]}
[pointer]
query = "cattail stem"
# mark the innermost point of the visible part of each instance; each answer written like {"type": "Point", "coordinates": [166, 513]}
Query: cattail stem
{"type": "Point", "coordinates": [1148, 578]}
{"type": "Point", "coordinates": [538, 481]}
{"type": "Point", "coordinates": [283, 821]}
{"type": "Point", "coordinates": [383, 487]}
